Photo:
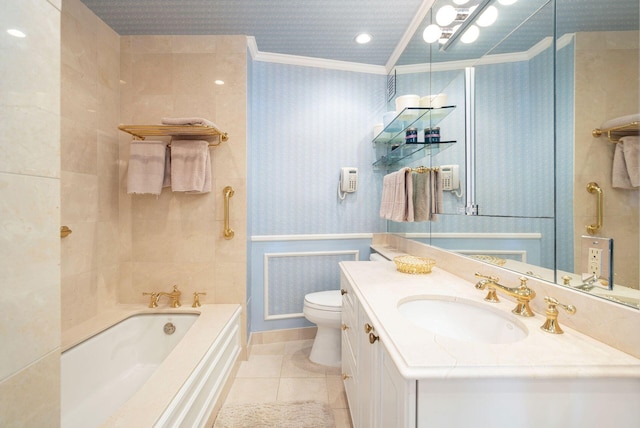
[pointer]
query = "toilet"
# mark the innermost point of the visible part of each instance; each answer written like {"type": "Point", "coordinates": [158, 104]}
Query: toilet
{"type": "Point", "coordinates": [324, 308]}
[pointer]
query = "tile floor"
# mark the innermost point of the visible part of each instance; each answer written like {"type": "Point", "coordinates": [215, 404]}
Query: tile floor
{"type": "Point", "coordinates": [282, 372]}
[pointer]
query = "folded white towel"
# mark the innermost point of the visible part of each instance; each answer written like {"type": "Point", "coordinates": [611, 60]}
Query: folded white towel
{"type": "Point", "coordinates": [620, 121]}
{"type": "Point", "coordinates": [421, 197]}
{"type": "Point", "coordinates": [190, 166]}
{"type": "Point", "coordinates": [146, 172]}
{"type": "Point", "coordinates": [187, 121]}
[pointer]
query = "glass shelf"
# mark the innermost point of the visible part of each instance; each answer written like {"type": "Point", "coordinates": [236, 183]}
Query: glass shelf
{"type": "Point", "coordinates": [391, 146]}
{"type": "Point", "coordinates": [411, 117]}
{"type": "Point", "coordinates": [409, 152]}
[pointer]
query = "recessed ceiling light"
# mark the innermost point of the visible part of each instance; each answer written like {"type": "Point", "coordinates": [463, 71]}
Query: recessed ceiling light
{"type": "Point", "coordinates": [219, 82]}
{"type": "Point", "coordinates": [16, 33]}
{"type": "Point", "coordinates": [363, 38]}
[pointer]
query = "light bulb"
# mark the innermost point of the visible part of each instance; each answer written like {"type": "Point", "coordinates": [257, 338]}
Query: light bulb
{"type": "Point", "coordinates": [488, 17]}
{"type": "Point", "coordinates": [460, 2]}
{"type": "Point", "coordinates": [363, 38]}
{"type": "Point", "coordinates": [471, 35]}
{"type": "Point", "coordinates": [507, 2]}
{"type": "Point", "coordinates": [446, 15]}
{"type": "Point", "coordinates": [16, 33]}
{"type": "Point", "coordinates": [432, 33]}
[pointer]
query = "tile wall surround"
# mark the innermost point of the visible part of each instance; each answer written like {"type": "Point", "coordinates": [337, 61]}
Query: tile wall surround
{"type": "Point", "coordinates": [177, 238]}
{"type": "Point", "coordinates": [29, 195]}
{"type": "Point", "coordinates": [90, 104]}
{"type": "Point", "coordinates": [611, 323]}
{"type": "Point", "coordinates": [596, 101]}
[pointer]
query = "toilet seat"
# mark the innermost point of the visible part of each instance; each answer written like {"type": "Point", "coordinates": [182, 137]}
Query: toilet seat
{"type": "Point", "coordinates": [330, 300]}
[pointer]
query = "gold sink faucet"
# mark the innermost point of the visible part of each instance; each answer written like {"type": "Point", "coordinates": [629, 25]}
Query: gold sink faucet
{"type": "Point", "coordinates": [522, 293]}
{"type": "Point", "coordinates": [174, 295]}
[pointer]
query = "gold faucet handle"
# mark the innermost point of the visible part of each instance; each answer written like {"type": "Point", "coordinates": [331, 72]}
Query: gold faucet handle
{"type": "Point", "coordinates": [551, 324]}
{"type": "Point", "coordinates": [153, 301]}
{"type": "Point", "coordinates": [566, 280]}
{"type": "Point", "coordinates": [196, 299]}
{"type": "Point", "coordinates": [489, 277]}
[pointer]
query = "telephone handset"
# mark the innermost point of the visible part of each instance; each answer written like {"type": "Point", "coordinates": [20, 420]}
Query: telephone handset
{"type": "Point", "coordinates": [450, 177]}
{"type": "Point", "coordinates": [348, 181]}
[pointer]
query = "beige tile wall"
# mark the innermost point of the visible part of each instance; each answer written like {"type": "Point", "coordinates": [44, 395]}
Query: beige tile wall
{"type": "Point", "coordinates": [177, 238]}
{"type": "Point", "coordinates": [29, 203]}
{"type": "Point", "coordinates": [90, 108]}
{"type": "Point", "coordinates": [606, 87]}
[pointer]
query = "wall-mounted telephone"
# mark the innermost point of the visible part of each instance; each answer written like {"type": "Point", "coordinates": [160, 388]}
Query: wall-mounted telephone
{"type": "Point", "coordinates": [450, 177]}
{"type": "Point", "coordinates": [348, 181]}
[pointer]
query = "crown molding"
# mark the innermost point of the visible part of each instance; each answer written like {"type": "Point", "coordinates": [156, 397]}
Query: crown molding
{"type": "Point", "coordinates": [305, 61]}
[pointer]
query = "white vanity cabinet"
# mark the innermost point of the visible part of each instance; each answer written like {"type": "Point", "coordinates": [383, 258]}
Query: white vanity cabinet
{"type": "Point", "coordinates": [378, 396]}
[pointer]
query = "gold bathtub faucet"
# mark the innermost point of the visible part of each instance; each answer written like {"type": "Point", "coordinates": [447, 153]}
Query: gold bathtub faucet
{"type": "Point", "coordinates": [522, 293]}
{"type": "Point", "coordinates": [155, 297]}
{"type": "Point", "coordinates": [174, 295]}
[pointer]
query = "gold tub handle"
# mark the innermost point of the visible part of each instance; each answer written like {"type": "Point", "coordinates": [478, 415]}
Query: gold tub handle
{"type": "Point", "coordinates": [594, 188]}
{"type": "Point", "coordinates": [228, 193]}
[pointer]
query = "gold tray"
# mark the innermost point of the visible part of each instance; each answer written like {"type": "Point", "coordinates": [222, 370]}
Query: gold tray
{"type": "Point", "coordinates": [413, 264]}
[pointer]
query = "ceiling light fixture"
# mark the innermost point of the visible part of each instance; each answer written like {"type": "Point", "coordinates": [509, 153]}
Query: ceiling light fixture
{"type": "Point", "coordinates": [16, 33]}
{"type": "Point", "coordinates": [363, 38]}
{"type": "Point", "coordinates": [464, 26]}
{"type": "Point", "coordinates": [219, 82]}
{"type": "Point", "coordinates": [450, 18]}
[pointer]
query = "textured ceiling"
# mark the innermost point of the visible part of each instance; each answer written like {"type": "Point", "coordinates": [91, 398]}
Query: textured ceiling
{"type": "Point", "coordinates": [315, 28]}
{"type": "Point", "coordinates": [326, 28]}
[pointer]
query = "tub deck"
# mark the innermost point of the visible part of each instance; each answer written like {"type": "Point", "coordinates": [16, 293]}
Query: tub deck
{"type": "Point", "coordinates": [147, 405]}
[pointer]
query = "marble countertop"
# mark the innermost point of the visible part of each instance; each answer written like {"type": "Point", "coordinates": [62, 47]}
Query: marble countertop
{"type": "Point", "coordinates": [420, 354]}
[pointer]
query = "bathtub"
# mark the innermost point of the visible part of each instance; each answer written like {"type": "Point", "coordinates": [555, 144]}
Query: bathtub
{"type": "Point", "coordinates": [121, 369]}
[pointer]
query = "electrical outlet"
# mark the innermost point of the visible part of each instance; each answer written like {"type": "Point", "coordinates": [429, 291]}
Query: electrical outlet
{"type": "Point", "coordinates": [595, 262]}
{"type": "Point", "coordinates": [597, 259]}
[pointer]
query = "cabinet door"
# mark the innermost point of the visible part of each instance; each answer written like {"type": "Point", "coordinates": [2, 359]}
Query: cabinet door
{"type": "Point", "coordinates": [368, 373]}
{"type": "Point", "coordinates": [398, 396]}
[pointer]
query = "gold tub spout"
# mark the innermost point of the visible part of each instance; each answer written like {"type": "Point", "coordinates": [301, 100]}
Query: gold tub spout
{"type": "Point", "coordinates": [174, 295]}
{"type": "Point", "coordinates": [522, 293]}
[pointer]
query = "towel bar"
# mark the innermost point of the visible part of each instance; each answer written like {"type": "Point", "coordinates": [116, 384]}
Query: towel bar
{"type": "Point", "coordinates": [228, 193]}
{"type": "Point", "coordinates": [594, 188]}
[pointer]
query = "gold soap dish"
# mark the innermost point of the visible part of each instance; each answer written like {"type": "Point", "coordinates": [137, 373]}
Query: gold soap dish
{"type": "Point", "coordinates": [413, 264]}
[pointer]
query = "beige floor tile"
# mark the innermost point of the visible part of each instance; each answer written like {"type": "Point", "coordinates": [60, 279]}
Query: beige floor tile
{"type": "Point", "coordinates": [298, 347]}
{"type": "Point", "coordinates": [342, 418]}
{"type": "Point", "coordinates": [337, 395]}
{"type": "Point", "coordinates": [300, 389]}
{"type": "Point", "coordinates": [268, 349]}
{"type": "Point", "coordinates": [300, 366]}
{"type": "Point", "coordinates": [261, 366]}
{"type": "Point", "coordinates": [253, 390]}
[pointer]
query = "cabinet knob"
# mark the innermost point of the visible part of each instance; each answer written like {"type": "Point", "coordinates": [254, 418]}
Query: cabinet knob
{"type": "Point", "coordinates": [373, 338]}
{"type": "Point", "coordinates": [343, 291]}
{"type": "Point", "coordinates": [368, 328]}
{"type": "Point", "coordinates": [345, 376]}
{"type": "Point", "coordinates": [344, 327]}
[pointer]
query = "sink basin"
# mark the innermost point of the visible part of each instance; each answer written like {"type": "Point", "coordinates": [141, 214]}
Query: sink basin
{"type": "Point", "coordinates": [463, 320]}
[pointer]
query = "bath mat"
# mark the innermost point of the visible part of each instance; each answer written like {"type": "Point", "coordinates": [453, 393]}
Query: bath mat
{"type": "Point", "coordinates": [298, 414]}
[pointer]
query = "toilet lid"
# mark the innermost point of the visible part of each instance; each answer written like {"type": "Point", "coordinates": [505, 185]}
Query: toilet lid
{"type": "Point", "coordinates": [330, 300]}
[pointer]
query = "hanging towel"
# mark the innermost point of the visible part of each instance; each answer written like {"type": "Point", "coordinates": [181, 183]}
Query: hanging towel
{"type": "Point", "coordinates": [388, 192]}
{"type": "Point", "coordinates": [626, 163]}
{"type": "Point", "coordinates": [190, 166]}
{"type": "Point", "coordinates": [403, 196]}
{"type": "Point", "coordinates": [146, 171]}
{"type": "Point", "coordinates": [421, 196]}
{"type": "Point", "coordinates": [436, 194]}
{"type": "Point", "coordinates": [187, 121]}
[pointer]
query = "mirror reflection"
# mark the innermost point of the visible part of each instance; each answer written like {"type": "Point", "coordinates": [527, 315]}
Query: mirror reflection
{"type": "Point", "coordinates": [539, 91]}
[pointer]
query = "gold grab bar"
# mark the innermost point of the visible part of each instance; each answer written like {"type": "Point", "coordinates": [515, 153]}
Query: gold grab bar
{"type": "Point", "coordinates": [594, 188]}
{"type": "Point", "coordinates": [228, 193]}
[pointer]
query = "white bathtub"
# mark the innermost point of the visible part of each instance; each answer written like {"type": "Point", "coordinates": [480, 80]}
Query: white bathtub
{"type": "Point", "coordinates": [133, 374]}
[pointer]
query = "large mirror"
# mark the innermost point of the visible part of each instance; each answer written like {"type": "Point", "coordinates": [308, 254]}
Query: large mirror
{"type": "Point", "coordinates": [543, 76]}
